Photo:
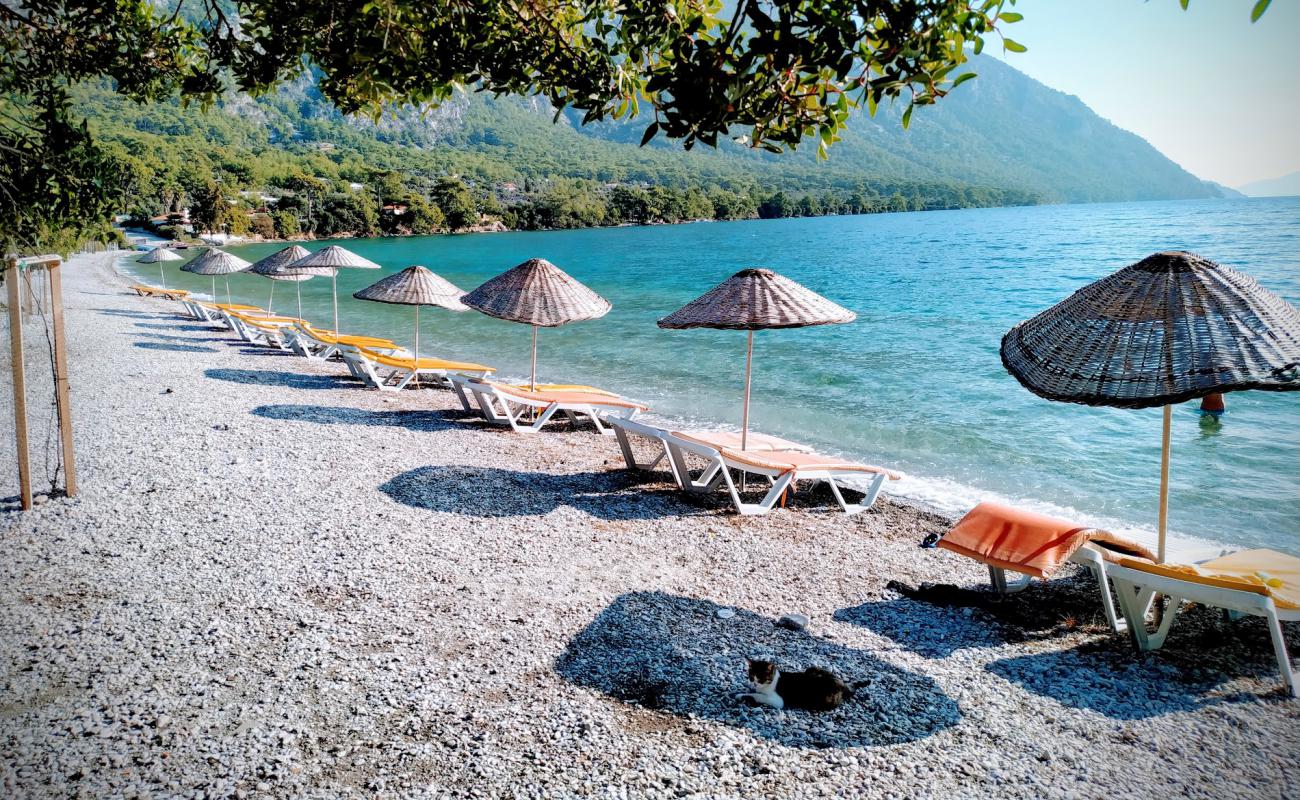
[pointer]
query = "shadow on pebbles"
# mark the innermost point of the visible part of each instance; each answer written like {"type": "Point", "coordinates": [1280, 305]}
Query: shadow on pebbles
{"type": "Point", "coordinates": [678, 656]}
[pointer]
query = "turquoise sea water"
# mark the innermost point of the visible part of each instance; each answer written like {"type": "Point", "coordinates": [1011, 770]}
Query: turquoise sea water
{"type": "Point", "coordinates": [916, 383]}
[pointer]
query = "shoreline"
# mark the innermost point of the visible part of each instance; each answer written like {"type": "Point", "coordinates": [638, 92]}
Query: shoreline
{"type": "Point", "coordinates": [941, 495]}
{"type": "Point", "coordinates": [278, 584]}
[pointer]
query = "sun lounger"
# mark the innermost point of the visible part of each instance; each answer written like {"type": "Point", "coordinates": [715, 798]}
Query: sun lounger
{"type": "Point", "coordinates": [783, 468]}
{"type": "Point", "coordinates": [626, 429]}
{"type": "Point", "coordinates": [154, 291]}
{"type": "Point", "coordinates": [317, 344]}
{"type": "Point", "coordinates": [392, 373]}
{"type": "Point", "coordinates": [1037, 546]}
{"type": "Point", "coordinates": [1261, 583]}
{"type": "Point", "coordinates": [263, 329]}
{"type": "Point", "coordinates": [508, 405]}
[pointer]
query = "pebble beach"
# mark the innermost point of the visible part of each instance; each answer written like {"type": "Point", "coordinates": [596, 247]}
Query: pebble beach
{"type": "Point", "coordinates": [276, 583]}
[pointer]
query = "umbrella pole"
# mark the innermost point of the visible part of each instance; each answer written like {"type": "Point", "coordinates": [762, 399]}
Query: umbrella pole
{"type": "Point", "coordinates": [270, 301]}
{"type": "Point", "coordinates": [744, 414]}
{"type": "Point", "coordinates": [417, 347]}
{"type": "Point", "coordinates": [334, 281]}
{"type": "Point", "coordinates": [162, 274]}
{"type": "Point", "coordinates": [298, 285]}
{"type": "Point", "coordinates": [534, 384]}
{"type": "Point", "coordinates": [1164, 484]}
{"type": "Point", "coordinates": [228, 300]}
{"type": "Point", "coordinates": [214, 288]}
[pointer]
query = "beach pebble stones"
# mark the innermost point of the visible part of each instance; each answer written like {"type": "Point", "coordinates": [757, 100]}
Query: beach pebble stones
{"type": "Point", "coordinates": [724, 613]}
{"type": "Point", "coordinates": [793, 621]}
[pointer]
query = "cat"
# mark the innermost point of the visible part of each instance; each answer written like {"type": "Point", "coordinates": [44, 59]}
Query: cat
{"type": "Point", "coordinates": [814, 689]}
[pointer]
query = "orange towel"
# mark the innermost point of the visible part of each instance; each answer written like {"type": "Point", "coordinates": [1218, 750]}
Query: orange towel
{"type": "Point", "coordinates": [1025, 542]}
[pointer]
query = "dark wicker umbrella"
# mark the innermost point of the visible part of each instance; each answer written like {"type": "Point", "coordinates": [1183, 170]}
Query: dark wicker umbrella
{"type": "Point", "coordinates": [755, 299]}
{"type": "Point", "coordinates": [539, 294]}
{"type": "Point", "coordinates": [1172, 327]}
{"type": "Point", "coordinates": [157, 256]}
{"type": "Point", "coordinates": [217, 262]}
{"type": "Point", "coordinates": [273, 267]}
{"type": "Point", "coordinates": [332, 258]}
{"type": "Point", "coordinates": [415, 286]}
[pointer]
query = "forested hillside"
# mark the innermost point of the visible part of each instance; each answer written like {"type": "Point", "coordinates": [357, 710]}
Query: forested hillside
{"type": "Point", "coordinates": [289, 163]}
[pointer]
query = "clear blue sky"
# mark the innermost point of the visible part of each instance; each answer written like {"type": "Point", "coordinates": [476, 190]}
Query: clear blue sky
{"type": "Point", "coordinates": [1210, 90]}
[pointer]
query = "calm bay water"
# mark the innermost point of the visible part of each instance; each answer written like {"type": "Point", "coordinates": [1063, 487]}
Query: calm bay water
{"type": "Point", "coordinates": [916, 383]}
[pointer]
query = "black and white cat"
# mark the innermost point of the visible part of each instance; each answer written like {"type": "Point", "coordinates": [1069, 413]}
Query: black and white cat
{"type": "Point", "coordinates": [814, 689]}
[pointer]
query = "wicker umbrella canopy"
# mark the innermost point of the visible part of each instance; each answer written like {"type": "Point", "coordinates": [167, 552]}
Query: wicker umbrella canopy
{"type": "Point", "coordinates": [415, 286]}
{"type": "Point", "coordinates": [217, 262]}
{"type": "Point", "coordinates": [539, 294]}
{"type": "Point", "coordinates": [1170, 328]}
{"type": "Point", "coordinates": [273, 265]}
{"type": "Point", "coordinates": [332, 258]}
{"type": "Point", "coordinates": [755, 299]}
{"type": "Point", "coordinates": [157, 256]}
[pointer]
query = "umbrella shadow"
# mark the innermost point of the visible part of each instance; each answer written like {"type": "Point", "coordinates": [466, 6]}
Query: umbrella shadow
{"type": "Point", "coordinates": [493, 492]}
{"type": "Point", "coordinates": [175, 327]}
{"type": "Point", "coordinates": [675, 655]}
{"type": "Point", "coordinates": [176, 337]}
{"type": "Point", "coordinates": [120, 312]}
{"type": "Point", "coordinates": [937, 620]}
{"type": "Point", "coordinates": [291, 380]}
{"type": "Point", "coordinates": [179, 348]}
{"type": "Point", "coordinates": [335, 415]}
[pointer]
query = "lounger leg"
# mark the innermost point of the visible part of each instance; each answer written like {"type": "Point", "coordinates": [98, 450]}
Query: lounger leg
{"type": "Point", "coordinates": [625, 444]}
{"type": "Point", "coordinates": [873, 491]}
{"type": "Point", "coordinates": [460, 392]}
{"type": "Point", "coordinates": [998, 579]}
{"type": "Point", "coordinates": [779, 486]}
{"type": "Point", "coordinates": [1279, 650]}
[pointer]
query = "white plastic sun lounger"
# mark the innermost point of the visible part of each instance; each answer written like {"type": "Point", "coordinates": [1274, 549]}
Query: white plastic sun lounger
{"type": "Point", "coordinates": [626, 429]}
{"type": "Point", "coordinates": [319, 345]}
{"type": "Point", "coordinates": [1250, 582]}
{"type": "Point", "coordinates": [266, 330]}
{"type": "Point", "coordinates": [782, 468]}
{"type": "Point", "coordinates": [389, 373]}
{"type": "Point", "coordinates": [507, 405]}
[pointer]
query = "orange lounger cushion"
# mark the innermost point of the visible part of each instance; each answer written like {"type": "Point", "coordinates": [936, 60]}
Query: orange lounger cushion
{"type": "Point", "coordinates": [726, 440]}
{"type": "Point", "coordinates": [1025, 542]}
{"type": "Point", "coordinates": [1264, 572]}
{"type": "Point", "coordinates": [424, 363]}
{"type": "Point", "coordinates": [569, 397]}
{"type": "Point", "coordinates": [796, 462]}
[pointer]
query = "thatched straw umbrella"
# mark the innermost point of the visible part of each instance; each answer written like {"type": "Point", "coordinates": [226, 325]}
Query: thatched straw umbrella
{"type": "Point", "coordinates": [415, 286]}
{"type": "Point", "coordinates": [157, 256]}
{"type": "Point", "coordinates": [1170, 328]}
{"type": "Point", "coordinates": [217, 262]}
{"type": "Point", "coordinates": [273, 267]}
{"type": "Point", "coordinates": [539, 294]}
{"type": "Point", "coordinates": [332, 258]}
{"type": "Point", "coordinates": [751, 300]}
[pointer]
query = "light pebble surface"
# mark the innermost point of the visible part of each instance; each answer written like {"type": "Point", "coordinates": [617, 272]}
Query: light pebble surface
{"type": "Point", "coordinates": [277, 584]}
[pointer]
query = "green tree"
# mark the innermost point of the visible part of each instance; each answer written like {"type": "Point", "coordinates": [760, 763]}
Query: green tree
{"type": "Point", "coordinates": [457, 204]}
{"type": "Point", "coordinates": [286, 223]}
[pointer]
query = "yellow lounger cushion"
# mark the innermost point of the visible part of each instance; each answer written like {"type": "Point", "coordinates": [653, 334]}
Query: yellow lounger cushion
{"type": "Point", "coordinates": [726, 440]}
{"type": "Point", "coordinates": [796, 462]}
{"type": "Point", "coordinates": [1264, 572]}
{"type": "Point", "coordinates": [154, 291]}
{"type": "Point", "coordinates": [425, 363]}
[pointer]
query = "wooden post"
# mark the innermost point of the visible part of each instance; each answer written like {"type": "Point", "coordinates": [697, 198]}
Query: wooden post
{"type": "Point", "coordinates": [61, 395]}
{"type": "Point", "coordinates": [20, 387]}
{"type": "Point", "coordinates": [1164, 483]}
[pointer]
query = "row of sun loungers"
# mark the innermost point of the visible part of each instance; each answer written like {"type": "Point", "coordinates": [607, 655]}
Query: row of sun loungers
{"type": "Point", "coordinates": [1006, 540]}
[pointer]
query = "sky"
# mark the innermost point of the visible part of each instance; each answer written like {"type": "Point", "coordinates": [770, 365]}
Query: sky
{"type": "Point", "coordinates": [1211, 91]}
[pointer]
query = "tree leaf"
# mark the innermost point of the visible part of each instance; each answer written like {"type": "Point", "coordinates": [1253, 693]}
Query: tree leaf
{"type": "Point", "coordinates": [1014, 46]}
{"type": "Point", "coordinates": [1258, 10]}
